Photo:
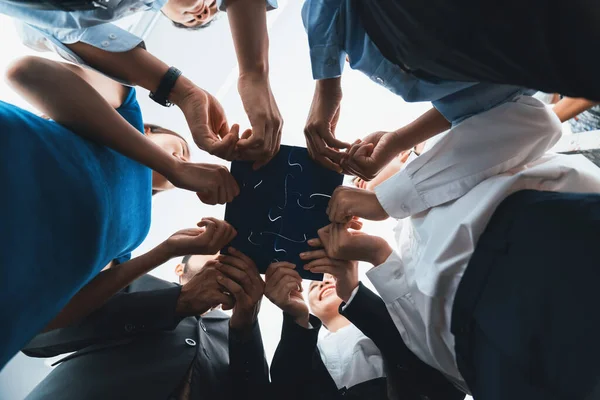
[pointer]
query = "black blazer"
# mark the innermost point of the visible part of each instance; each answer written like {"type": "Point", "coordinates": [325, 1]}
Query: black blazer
{"type": "Point", "coordinates": [136, 347]}
{"type": "Point", "coordinates": [298, 372]}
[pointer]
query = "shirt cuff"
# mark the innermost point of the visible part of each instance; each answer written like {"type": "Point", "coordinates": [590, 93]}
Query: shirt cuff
{"type": "Point", "coordinates": [327, 61]}
{"type": "Point", "coordinates": [351, 297]}
{"type": "Point", "coordinates": [271, 5]}
{"type": "Point", "coordinates": [385, 277]}
{"type": "Point", "coordinates": [399, 197]}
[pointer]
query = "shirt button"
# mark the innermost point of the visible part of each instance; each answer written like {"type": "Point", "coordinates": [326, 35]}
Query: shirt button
{"type": "Point", "coordinates": [112, 36]}
{"type": "Point", "coordinates": [190, 342]}
{"type": "Point", "coordinates": [379, 80]}
{"type": "Point", "coordinates": [105, 43]}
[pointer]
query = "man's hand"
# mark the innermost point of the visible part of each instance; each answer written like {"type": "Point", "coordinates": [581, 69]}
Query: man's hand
{"type": "Point", "coordinates": [207, 121]}
{"type": "Point", "coordinates": [241, 279]}
{"type": "Point", "coordinates": [212, 183]}
{"type": "Point", "coordinates": [262, 142]}
{"type": "Point", "coordinates": [284, 289]}
{"type": "Point", "coordinates": [346, 203]}
{"type": "Point", "coordinates": [210, 237]}
{"type": "Point", "coordinates": [345, 242]}
{"type": "Point", "coordinates": [345, 272]}
{"type": "Point", "coordinates": [321, 123]}
{"type": "Point", "coordinates": [203, 292]}
{"type": "Point", "coordinates": [368, 157]}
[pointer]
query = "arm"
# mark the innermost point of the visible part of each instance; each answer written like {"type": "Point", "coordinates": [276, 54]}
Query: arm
{"type": "Point", "coordinates": [569, 107]}
{"type": "Point", "coordinates": [297, 366]}
{"type": "Point", "coordinates": [124, 314]}
{"type": "Point", "coordinates": [70, 100]}
{"type": "Point", "coordinates": [248, 23]}
{"type": "Point", "coordinates": [248, 366]}
{"type": "Point", "coordinates": [482, 146]}
{"type": "Point", "coordinates": [202, 240]}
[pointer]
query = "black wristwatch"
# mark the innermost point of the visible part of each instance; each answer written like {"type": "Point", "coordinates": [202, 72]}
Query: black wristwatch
{"type": "Point", "coordinates": [161, 95]}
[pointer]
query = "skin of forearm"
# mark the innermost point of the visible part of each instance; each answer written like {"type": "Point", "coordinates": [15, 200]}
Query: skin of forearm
{"type": "Point", "coordinates": [428, 125]}
{"type": "Point", "coordinates": [248, 22]}
{"type": "Point", "coordinates": [569, 107]}
{"type": "Point", "coordinates": [106, 284]}
{"type": "Point", "coordinates": [73, 103]}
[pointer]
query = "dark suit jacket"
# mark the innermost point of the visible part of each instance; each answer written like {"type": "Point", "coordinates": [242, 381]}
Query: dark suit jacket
{"type": "Point", "coordinates": [136, 347]}
{"type": "Point", "coordinates": [298, 372]}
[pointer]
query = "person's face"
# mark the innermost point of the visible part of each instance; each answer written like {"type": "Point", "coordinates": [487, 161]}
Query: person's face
{"type": "Point", "coordinates": [172, 144]}
{"type": "Point", "coordinates": [190, 13]}
{"type": "Point", "coordinates": [194, 265]}
{"type": "Point", "coordinates": [323, 299]}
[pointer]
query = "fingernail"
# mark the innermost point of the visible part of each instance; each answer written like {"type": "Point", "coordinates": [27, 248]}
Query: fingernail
{"type": "Point", "coordinates": [306, 267]}
{"type": "Point", "coordinates": [311, 241]}
{"type": "Point", "coordinates": [232, 249]}
{"type": "Point", "coordinates": [219, 278]}
{"type": "Point", "coordinates": [302, 255]}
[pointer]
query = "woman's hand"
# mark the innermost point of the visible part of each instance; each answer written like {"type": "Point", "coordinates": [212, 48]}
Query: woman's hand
{"type": "Point", "coordinates": [209, 238]}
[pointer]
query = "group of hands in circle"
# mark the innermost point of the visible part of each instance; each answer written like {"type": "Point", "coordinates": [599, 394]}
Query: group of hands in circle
{"type": "Point", "coordinates": [233, 281]}
{"type": "Point", "coordinates": [212, 133]}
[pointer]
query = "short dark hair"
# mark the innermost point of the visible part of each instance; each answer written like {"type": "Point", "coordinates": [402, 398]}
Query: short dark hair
{"type": "Point", "coordinates": [184, 261]}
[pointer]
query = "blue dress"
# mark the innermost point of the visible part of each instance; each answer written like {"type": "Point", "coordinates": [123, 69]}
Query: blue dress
{"type": "Point", "coordinates": [68, 207]}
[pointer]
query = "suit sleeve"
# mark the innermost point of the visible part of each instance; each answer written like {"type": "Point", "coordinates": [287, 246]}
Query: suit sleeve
{"type": "Point", "coordinates": [248, 368]}
{"type": "Point", "coordinates": [297, 367]}
{"type": "Point", "coordinates": [367, 311]}
{"type": "Point", "coordinates": [125, 314]}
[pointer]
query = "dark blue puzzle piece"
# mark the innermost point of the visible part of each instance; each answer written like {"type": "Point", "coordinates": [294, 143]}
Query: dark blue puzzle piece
{"type": "Point", "coordinates": [280, 207]}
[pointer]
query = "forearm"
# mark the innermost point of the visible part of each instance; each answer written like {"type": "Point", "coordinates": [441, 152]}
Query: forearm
{"type": "Point", "coordinates": [248, 22]}
{"type": "Point", "coordinates": [569, 107]}
{"type": "Point", "coordinates": [106, 284]}
{"type": "Point", "coordinates": [69, 100]}
{"type": "Point", "coordinates": [428, 125]}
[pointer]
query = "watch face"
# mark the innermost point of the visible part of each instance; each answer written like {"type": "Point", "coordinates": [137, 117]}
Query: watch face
{"type": "Point", "coordinates": [280, 207]}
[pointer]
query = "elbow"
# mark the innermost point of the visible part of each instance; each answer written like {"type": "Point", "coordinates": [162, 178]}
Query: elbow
{"type": "Point", "coordinates": [24, 71]}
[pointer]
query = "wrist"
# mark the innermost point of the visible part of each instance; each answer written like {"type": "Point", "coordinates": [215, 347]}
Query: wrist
{"type": "Point", "coordinates": [243, 325]}
{"type": "Point", "coordinates": [328, 87]}
{"type": "Point", "coordinates": [303, 321]}
{"type": "Point", "coordinates": [181, 91]}
{"type": "Point", "coordinates": [379, 252]}
{"type": "Point", "coordinates": [258, 73]}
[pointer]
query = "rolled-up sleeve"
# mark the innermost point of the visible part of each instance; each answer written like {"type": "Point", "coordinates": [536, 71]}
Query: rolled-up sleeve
{"type": "Point", "coordinates": [487, 144]}
{"type": "Point", "coordinates": [321, 21]}
{"type": "Point", "coordinates": [271, 5]}
{"type": "Point", "coordinates": [107, 37]}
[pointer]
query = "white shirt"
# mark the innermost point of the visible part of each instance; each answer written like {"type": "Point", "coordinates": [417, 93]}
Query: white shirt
{"type": "Point", "coordinates": [350, 357]}
{"type": "Point", "coordinates": [419, 281]}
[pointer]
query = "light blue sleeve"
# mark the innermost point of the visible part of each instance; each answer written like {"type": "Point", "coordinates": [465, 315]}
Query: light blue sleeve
{"type": "Point", "coordinates": [271, 5]}
{"type": "Point", "coordinates": [321, 21]}
{"type": "Point", "coordinates": [107, 37]}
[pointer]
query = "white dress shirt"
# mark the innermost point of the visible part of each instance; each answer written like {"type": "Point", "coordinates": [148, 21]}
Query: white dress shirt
{"type": "Point", "coordinates": [350, 357]}
{"type": "Point", "coordinates": [461, 184]}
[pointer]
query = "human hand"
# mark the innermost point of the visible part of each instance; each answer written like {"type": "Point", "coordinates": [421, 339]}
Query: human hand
{"type": "Point", "coordinates": [346, 203]}
{"type": "Point", "coordinates": [210, 237]}
{"type": "Point", "coordinates": [345, 272]}
{"type": "Point", "coordinates": [284, 289]}
{"type": "Point", "coordinates": [261, 143]}
{"type": "Point", "coordinates": [368, 157]}
{"type": "Point", "coordinates": [203, 292]}
{"type": "Point", "coordinates": [241, 279]}
{"type": "Point", "coordinates": [207, 122]}
{"type": "Point", "coordinates": [345, 242]}
{"type": "Point", "coordinates": [321, 123]}
{"type": "Point", "coordinates": [213, 184]}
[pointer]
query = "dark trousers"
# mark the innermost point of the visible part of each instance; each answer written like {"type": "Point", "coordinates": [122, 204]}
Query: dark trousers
{"type": "Point", "coordinates": [548, 45]}
{"type": "Point", "coordinates": [526, 316]}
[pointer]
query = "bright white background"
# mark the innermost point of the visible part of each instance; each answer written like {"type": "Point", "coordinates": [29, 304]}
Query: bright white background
{"type": "Point", "coordinates": [207, 57]}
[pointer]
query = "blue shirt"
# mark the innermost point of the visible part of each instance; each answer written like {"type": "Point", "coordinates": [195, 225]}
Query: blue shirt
{"type": "Point", "coordinates": [44, 30]}
{"type": "Point", "coordinates": [335, 30]}
{"type": "Point", "coordinates": [68, 208]}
